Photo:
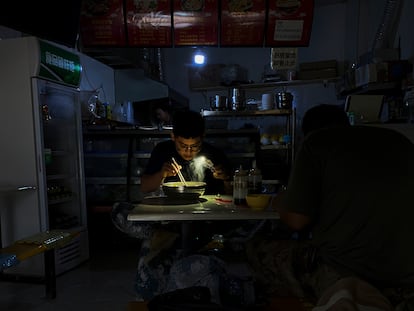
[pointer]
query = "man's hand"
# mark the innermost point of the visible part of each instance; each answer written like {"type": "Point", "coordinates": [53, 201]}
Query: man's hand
{"type": "Point", "coordinates": [168, 170]}
{"type": "Point", "coordinates": [219, 173]}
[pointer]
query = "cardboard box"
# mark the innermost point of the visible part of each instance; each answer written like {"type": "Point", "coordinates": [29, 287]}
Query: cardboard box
{"type": "Point", "coordinates": [325, 64]}
{"type": "Point", "coordinates": [325, 73]}
{"type": "Point", "coordinates": [318, 70]}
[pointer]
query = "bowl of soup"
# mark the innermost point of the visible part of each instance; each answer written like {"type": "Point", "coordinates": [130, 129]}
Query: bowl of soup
{"type": "Point", "coordinates": [189, 190]}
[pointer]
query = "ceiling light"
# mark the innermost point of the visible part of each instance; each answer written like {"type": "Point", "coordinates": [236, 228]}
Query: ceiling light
{"type": "Point", "coordinates": [199, 58]}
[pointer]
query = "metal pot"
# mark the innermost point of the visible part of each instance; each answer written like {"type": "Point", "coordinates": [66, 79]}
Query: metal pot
{"type": "Point", "coordinates": [284, 100]}
{"type": "Point", "coordinates": [238, 99]}
{"type": "Point", "coordinates": [218, 103]}
{"type": "Point", "coordinates": [177, 189]}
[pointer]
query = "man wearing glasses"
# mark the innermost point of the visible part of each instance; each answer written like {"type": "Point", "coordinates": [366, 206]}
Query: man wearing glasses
{"type": "Point", "coordinates": [199, 160]}
{"type": "Point", "coordinates": [162, 266]}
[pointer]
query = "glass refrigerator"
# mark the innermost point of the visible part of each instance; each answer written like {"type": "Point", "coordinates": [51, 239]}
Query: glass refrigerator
{"type": "Point", "coordinates": [41, 139]}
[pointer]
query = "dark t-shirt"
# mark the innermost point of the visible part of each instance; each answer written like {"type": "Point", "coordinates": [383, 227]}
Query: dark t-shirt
{"type": "Point", "coordinates": [357, 183]}
{"type": "Point", "coordinates": [193, 170]}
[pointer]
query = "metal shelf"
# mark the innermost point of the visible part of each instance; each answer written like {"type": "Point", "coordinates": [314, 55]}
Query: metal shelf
{"type": "Point", "coordinates": [246, 113]}
{"type": "Point", "coordinates": [271, 182]}
{"type": "Point", "coordinates": [373, 88]}
{"type": "Point", "coordinates": [60, 201]}
{"type": "Point", "coordinates": [106, 155]}
{"type": "Point", "coordinates": [57, 176]}
{"type": "Point", "coordinates": [112, 180]}
{"type": "Point", "coordinates": [267, 85]}
{"type": "Point", "coordinates": [107, 132]}
{"type": "Point", "coordinates": [241, 155]}
{"type": "Point", "coordinates": [142, 155]}
{"type": "Point", "coordinates": [275, 147]}
{"type": "Point", "coordinates": [106, 180]}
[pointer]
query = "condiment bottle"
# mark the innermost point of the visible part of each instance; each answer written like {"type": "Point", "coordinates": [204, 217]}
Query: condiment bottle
{"type": "Point", "coordinates": [255, 180]}
{"type": "Point", "coordinates": [240, 186]}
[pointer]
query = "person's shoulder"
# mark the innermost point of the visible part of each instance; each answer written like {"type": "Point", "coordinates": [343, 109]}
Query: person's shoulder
{"type": "Point", "coordinates": [371, 134]}
{"type": "Point", "coordinates": [332, 136]}
{"type": "Point", "coordinates": [325, 134]}
{"type": "Point", "coordinates": [380, 132]}
{"type": "Point", "coordinates": [348, 130]}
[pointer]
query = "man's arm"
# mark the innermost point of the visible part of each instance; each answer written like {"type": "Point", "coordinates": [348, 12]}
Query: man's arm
{"type": "Point", "coordinates": [294, 220]}
{"type": "Point", "coordinates": [152, 182]}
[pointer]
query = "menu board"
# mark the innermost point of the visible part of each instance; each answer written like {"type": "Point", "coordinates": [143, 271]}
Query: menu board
{"type": "Point", "coordinates": [102, 23]}
{"type": "Point", "coordinates": [289, 22]}
{"type": "Point", "coordinates": [149, 23]}
{"type": "Point", "coordinates": [242, 22]}
{"type": "Point", "coordinates": [195, 22]}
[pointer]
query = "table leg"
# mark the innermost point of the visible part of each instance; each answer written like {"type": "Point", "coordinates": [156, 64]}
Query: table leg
{"type": "Point", "coordinates": [186, 233]}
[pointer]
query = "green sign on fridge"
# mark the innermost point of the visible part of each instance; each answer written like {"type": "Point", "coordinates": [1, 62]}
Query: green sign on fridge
{"type": "Point", "coordinates": [59, 65]}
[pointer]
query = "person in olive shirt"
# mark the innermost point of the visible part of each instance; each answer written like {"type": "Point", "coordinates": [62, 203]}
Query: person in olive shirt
{"type": "Point", "coordinates": [352, 188]}
{"type": "Point", "coordinates": [199, 160]}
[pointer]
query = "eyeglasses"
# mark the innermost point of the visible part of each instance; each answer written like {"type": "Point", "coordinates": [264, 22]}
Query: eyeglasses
{"type": "Point", "coordinates": [192, 148]}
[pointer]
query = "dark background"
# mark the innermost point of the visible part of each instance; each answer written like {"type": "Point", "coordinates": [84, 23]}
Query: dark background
{"type": "Point", "coordinates": [54, 20]}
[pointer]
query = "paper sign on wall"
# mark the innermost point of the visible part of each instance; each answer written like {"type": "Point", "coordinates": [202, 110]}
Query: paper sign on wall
{"type": "Point", "coordinates": [102, 23]}
{"type": "Point", "coordinates": [289, 22]}
{"type": "Point", "coordinates": [284, 58]}
{"type": "Point", "coordinates": [149, 23]}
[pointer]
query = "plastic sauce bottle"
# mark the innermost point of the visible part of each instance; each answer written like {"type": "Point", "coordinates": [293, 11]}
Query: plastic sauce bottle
{"type": "Point", "coordinates": [255, 180]}
{"type": "Point", "coordinates": [240, 186]}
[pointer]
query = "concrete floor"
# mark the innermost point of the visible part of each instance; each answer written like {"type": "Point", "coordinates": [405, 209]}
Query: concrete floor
{"type": "Point", "coordinates": [104, 282]}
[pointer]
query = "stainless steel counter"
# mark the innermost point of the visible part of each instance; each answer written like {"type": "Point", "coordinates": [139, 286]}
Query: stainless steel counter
{"type": "Point", "coordinates": [209, 207]}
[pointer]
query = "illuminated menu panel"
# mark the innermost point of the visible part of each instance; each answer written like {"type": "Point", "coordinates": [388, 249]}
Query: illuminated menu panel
{"type": "Point", "coordinates": [149, 23]}
{"type": "Point", "coordinates": [102, 23]}
{"type": "Point", "coordinates": [289, 22]}
{"type": "Point", "coordinates": [195, 22]}
{"type": "Point", "coordinates": [242, 22]}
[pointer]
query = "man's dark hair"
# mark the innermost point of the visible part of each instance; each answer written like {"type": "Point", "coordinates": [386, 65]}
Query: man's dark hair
{"type": "Point", "coordinates": [323, 116]}
{"type": "Point", "coordinates": [188, 124]}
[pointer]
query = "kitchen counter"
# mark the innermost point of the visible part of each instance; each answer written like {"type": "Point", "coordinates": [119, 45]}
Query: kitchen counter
{"type": "Point", "coordinates": [208, 207]}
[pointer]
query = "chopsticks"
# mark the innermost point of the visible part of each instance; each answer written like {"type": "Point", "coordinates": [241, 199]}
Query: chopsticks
{"type": "Point", "coordinates": [177, 168]}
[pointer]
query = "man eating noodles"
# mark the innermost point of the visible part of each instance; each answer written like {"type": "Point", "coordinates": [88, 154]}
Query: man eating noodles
{"type": "Point", "coordinates": [198, 160]}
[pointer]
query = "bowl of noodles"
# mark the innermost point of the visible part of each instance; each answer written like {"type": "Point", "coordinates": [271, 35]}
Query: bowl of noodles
{"type": "Point", "coordinates": [189, 190]}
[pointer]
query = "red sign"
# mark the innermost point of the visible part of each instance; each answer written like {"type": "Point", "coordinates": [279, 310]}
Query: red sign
{"type": "Point", "coordinates": [149, 23]}
{"type": "Point", "coordinates": [289, 22]}
{"type": "Point", "coordinates": [195, 22]}
{"type": "Point", "coordinates": [102, 23]}
{"type": "Point", "coordinates": [242, 22]}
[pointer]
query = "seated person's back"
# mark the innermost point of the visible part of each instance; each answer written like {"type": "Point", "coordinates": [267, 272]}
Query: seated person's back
{"type": "Point", "coordinates": [354, 185]}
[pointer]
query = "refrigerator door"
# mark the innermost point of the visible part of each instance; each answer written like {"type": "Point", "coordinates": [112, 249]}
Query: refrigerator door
{"type": "Point", "coordinates": [57, 174]}
{"type": "Point", "coordinates": [59, 150]}
{"type": "Point", "coordinates": [41, 139]}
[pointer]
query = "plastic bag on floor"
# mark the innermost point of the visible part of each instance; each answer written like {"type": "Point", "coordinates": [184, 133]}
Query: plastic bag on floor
{"type": "Point", "coordinates": [352, 294]}
{"type": "Point", "coordinates": [135, 229]}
